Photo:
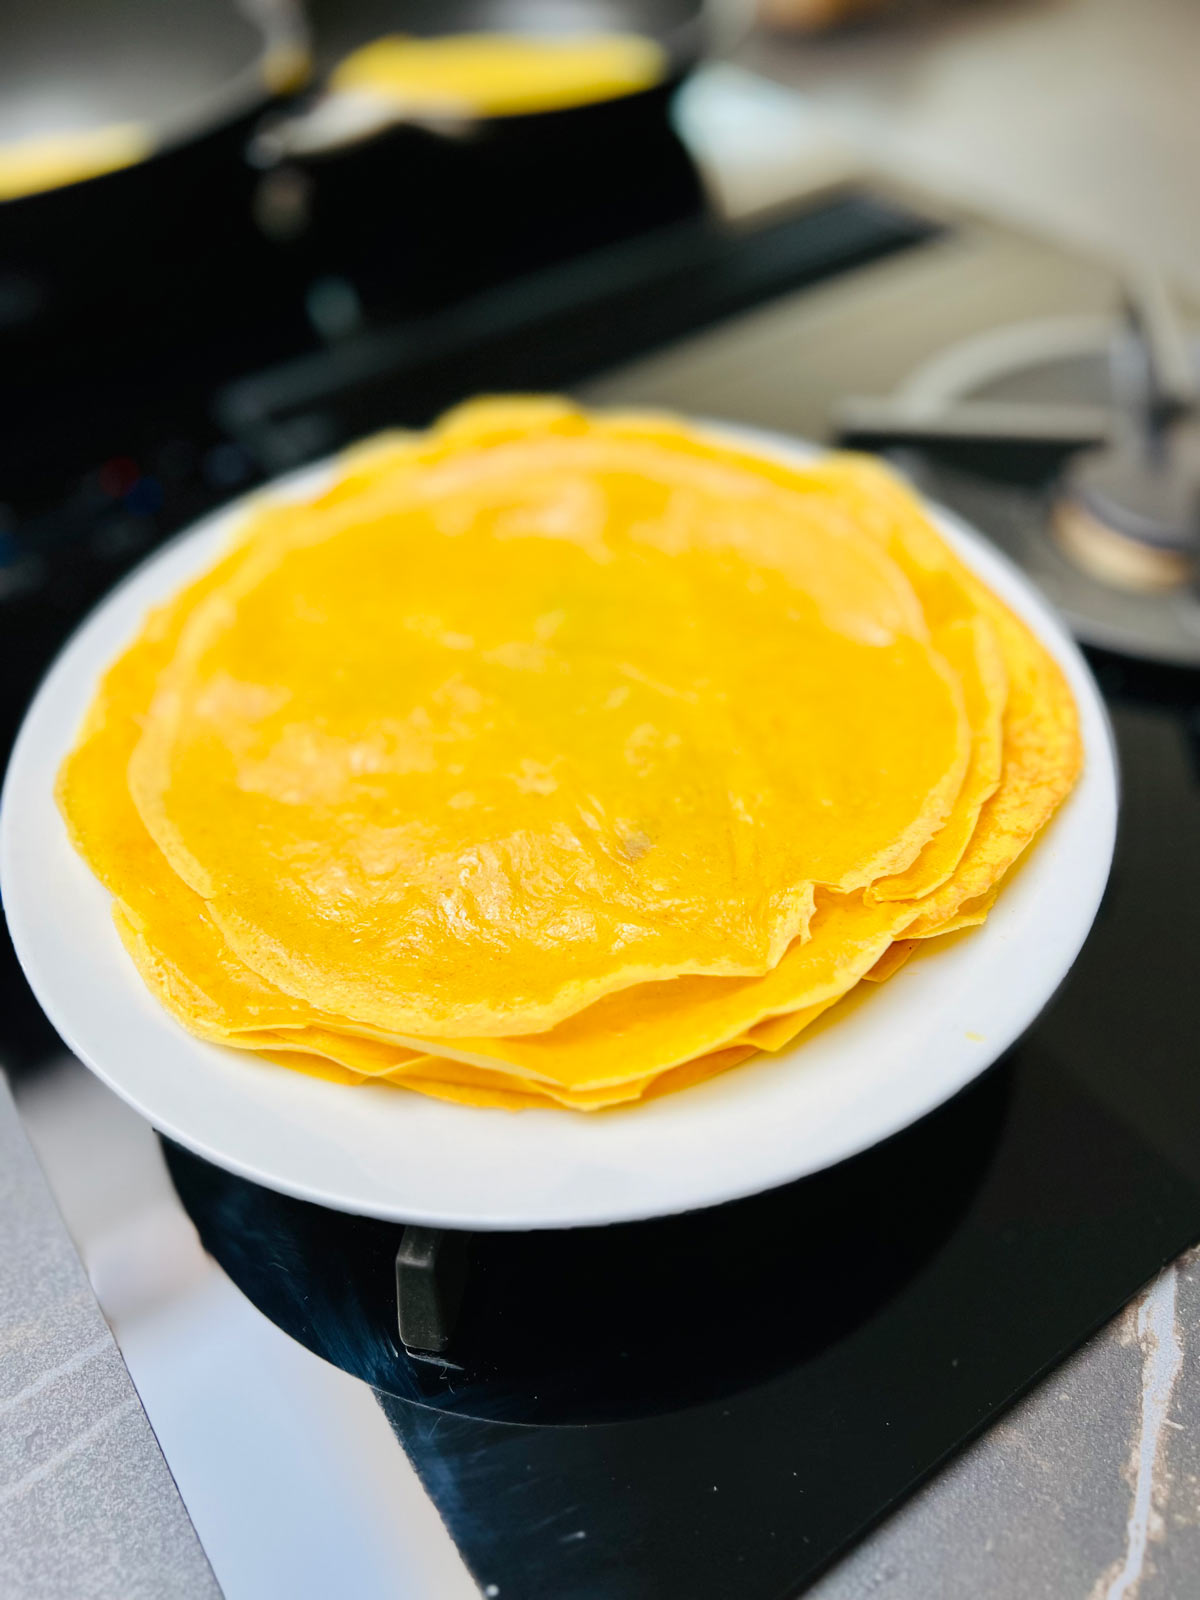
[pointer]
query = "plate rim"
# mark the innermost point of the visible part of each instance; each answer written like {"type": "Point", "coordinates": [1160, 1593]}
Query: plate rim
{"type": "Point", "coordinates": [1030, 604]}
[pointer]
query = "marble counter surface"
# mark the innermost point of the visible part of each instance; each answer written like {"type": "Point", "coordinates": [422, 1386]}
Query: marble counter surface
{"type": "Point", "coordinates": [87, 1505]}
{"type": "Point", "coordinates": [1087, 1490]}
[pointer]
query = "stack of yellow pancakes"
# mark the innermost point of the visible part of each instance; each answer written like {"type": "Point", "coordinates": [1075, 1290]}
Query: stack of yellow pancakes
{"type": "Point", "coordinates": [558, 759]}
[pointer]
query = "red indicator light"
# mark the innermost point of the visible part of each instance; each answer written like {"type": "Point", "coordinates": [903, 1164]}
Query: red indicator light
{"type": "Point", "coordinates": [118, 476]}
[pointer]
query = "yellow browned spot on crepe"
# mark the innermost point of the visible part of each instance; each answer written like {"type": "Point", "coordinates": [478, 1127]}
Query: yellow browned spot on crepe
{"type": "Point", "coordinates": [610, 778]}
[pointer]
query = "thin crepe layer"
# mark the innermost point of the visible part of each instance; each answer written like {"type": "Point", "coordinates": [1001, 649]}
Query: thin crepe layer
{"type": "Point", "coordinates": [211, 992]}
{"type": "Point", "coordinates": [449, 1080]}
{"type": "Point", "coordinates": [657, 1025]}
{"type": "Point", "coordinates": [1042, 745]}
{"type": "Point", "coordinates": [970, 646]}
{"type": "Point", "coordinates": [891, 961]}
{"type": "Point", "coordinates": [1043, 749]}
{"type": "Point", "coordinates": [480, 817]}
{"type": "Point", "coordinates": [245, 1007]}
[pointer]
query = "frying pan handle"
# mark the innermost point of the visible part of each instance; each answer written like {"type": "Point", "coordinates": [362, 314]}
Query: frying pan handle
{"type": "Point", "coordinates": [337, 120]}
{"type": "Point", "coordinates": [431, 1274]}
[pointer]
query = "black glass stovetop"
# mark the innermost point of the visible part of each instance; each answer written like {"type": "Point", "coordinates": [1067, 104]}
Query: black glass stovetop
{"type": "Point", "coordinates": [714, 1406]}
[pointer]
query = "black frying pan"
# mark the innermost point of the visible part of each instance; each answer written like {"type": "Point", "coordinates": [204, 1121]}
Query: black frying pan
{"type": "Point", "coordinates": [132, 246]}
{"type": "Point", "coordinates": [113, 286]}
{"type": "Point", "coordinates": [433, 213]}
{"type": "Point", "coordinates": [181, 70]}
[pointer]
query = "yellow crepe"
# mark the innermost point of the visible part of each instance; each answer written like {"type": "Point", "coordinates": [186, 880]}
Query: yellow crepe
{"type": "Point", "coordinates": [620, 1048]}
{"type": "Point", "coordinates": [971, 648]}
{"type": "Point", "coordinates": [352, 1059]}
{"type": "Point", "coordinates": [686, 1076]}
{"type": "Point", "coordinates": [314, 1067]}
{"type": "Point", "coordinates": [1043, 750]}
{"type": "Point", "coordinates": [374, 1057]}
{"type": "Point", "coordinates": [773, 1033]}
{"type": "Point", "coordinates": [193, 1001]}
{"type": "Point", "coordinates": [366, 1058]}
{"type": "Point", "coordinates": [480, 1096]}
{"type": "Point", "coordinates": [164, 924]}
{"type": "Point", "coordinates": [776, 1032]}
{"type": "Point", "coordinates": [967, 914]}
{"type": "Point", "coordinates": [214, 994]}
{"type": "Point", "coordinates": [891, 961]}
{"type": "Point", "coordinates": [629, 1036]}
{"type": "Point", "coordinates": [447, 1080]}
{"type": "Point", "coordinates": [500, 75]}
{"type": "Point", "coordinates": [445, 1072]}
{"type": "Point", "coordinates": [652, 1026]}
{"type": "Point", "coordinates": [437, 814]}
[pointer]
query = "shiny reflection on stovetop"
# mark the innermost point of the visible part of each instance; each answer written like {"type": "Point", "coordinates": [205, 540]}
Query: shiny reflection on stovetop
{"type": "Point", "coordinates": [603, 1324]}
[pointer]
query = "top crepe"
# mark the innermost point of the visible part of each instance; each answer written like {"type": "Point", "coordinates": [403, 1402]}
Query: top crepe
{"type": "Point", "coordinates": [537, 707]}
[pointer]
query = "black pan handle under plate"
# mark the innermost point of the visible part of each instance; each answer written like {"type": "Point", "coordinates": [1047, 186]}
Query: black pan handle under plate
{"type": "Point", "coordinates": [431, 1274]}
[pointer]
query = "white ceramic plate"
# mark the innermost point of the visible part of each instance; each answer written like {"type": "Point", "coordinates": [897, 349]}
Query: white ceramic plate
{"type": "Point", "coordinates": [878, 1063]}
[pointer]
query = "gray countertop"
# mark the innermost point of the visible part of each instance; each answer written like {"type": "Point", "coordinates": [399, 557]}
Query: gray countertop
{"type": "Point", "coordinates": [87, 1505]}
{"type": "Point", "coordinates": [1077, 117]}
{"type": "Point", "coordinates": [1087, 1490]}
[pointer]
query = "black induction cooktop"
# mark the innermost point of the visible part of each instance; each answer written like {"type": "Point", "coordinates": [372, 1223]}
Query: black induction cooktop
{"type": "Point", "coordinates": [713, 1406]}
